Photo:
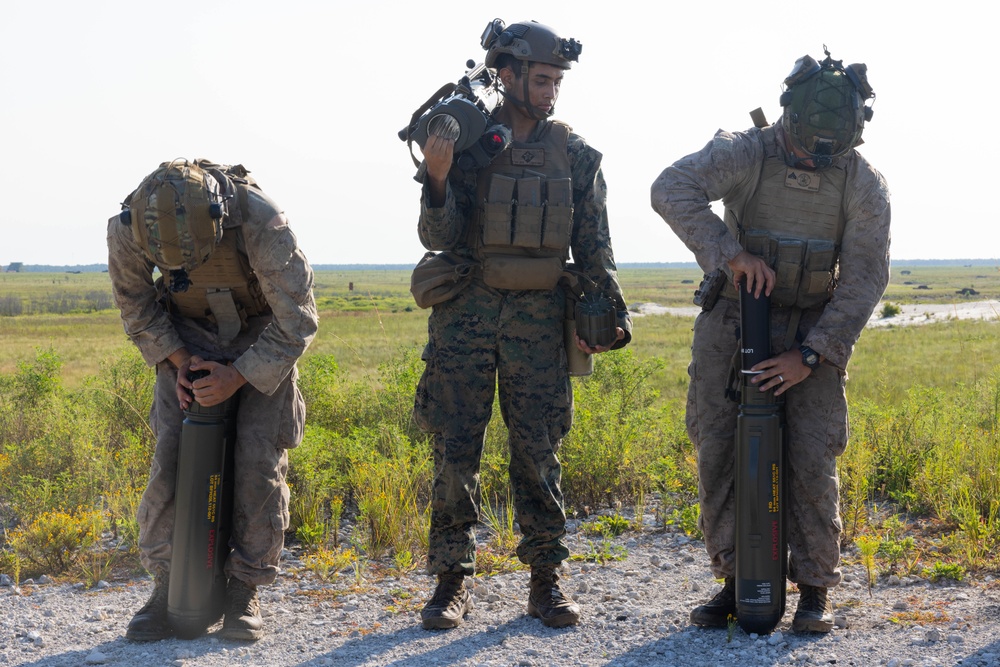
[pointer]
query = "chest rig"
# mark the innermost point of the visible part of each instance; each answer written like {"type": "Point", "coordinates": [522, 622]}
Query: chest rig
{"type": "Point", "coordinates": [224, 289]}
{"type": "Point", "coordinates": [795, 222]}
{"type": "Point", "coordinates": [525, 200]}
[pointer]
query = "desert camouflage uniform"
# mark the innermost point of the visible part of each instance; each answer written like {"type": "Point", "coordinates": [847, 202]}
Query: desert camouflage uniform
{"type": "Point", "coordinates": [816, 409]}
{"type": "Point", "coordinates": [271, 413]}
{"type": "Point", "coordinates": [511, 340]}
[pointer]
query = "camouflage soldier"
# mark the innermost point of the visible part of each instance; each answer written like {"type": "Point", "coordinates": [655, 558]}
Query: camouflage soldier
{"type": "Point", "coordinates": [234, 297]}
{"type": "Point", "coordinates": [504, 330]}
{"type": "Point", "coordinates": [807, 222]}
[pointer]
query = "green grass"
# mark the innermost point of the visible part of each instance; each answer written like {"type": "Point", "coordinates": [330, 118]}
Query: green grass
{"type": "Point", "coordinates": [925, 421]}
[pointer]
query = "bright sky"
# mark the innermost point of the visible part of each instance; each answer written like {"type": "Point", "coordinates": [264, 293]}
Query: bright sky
{"type": "Point", "coordinates": [309, 95]}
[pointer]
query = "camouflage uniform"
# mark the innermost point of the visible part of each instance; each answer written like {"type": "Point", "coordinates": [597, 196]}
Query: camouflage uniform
{"type": "Point", "coordinates": [488, 338]}
{"type": "Point", "coordinates": [271, 413]}
{"type": "Point", "coordinates": [816, 409]}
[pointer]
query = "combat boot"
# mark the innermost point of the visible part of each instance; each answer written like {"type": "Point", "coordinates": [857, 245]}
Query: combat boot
{"type": "Point", "coordinates": [150, 623]}
{"type": "Point", "coordinates": [449, 604]}
{"type": "Point", "coordinates": [547, 602]}
{"type": "Point", "coordinates": [815, 611]}
{"type": "Point", "coordinates": [717, 612]}
{"type": "Point", "coordinates": [243, 621]}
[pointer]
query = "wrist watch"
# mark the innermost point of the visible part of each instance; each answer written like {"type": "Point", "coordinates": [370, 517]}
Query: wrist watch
{"type": "Point", "coordinates": [810, 357]}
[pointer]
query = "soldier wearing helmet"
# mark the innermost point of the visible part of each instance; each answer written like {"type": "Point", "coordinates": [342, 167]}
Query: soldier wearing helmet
{"type": "Point", "coordinates": [517, 222]}
{"type": "Point", "coordinates": [807, 222]}
{"type": "Point", "coordinates": [233, 298]}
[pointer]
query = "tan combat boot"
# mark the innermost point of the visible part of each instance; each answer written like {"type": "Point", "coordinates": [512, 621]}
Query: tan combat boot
{"type": "Point", "coordinates": [717, 612]}
{"type": "Point", "coordinates": [243, 621]}
{"type": "Point", "coordinates": [150, 623]}
{"type": "Point", "coordinates": [449, 604]}
{"type": "Point", "coordinates": [815, 611]}
{"type": "Point", "coordinates": [547, 602]}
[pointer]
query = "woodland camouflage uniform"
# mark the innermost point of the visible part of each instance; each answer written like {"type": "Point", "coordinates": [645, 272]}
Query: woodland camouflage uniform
{"type": "Point", "coordinates": [511, 340]}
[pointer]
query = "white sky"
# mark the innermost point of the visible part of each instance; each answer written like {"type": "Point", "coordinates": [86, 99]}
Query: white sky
{"type": "Point", "coordinates": [309, 95]}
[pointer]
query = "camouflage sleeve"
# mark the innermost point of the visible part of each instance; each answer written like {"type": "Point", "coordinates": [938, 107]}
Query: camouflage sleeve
{"type": "Point", "coordinates": [444, 228]}
{"type": "Point", "coordinates": [864, 266]}
{"type": "Point", "coordinates": [591, 244]}
{"type": "Point", "coordinates": [682, 194]}
{"type": "Point", "coordinates": [287, 282]}
{"type": "Point", "coordinates": [145, 321]}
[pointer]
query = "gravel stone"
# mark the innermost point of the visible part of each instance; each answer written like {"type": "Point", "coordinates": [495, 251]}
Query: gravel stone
{"type": "Point", "coordinates": [635, 612]}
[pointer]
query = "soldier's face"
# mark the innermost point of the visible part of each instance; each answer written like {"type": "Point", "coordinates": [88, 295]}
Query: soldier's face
{"type": "Point", "coordinates": [544, 82]}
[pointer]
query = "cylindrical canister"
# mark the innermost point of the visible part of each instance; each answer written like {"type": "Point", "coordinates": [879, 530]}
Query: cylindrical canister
{"type": "Point", "coordinates": [203, 518]}
{"type": "Point", "coordinates": [761, 546]}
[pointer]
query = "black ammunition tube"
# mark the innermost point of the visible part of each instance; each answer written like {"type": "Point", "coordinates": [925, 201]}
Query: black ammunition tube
{"type": "Point", "coordinates": [202, 518]}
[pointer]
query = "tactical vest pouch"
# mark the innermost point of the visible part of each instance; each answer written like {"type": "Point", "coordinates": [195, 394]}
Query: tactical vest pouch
{"type": "Point", "coordinates": [528, 215]}
{"type": "Point", "coordinates": [438, 277]}
{"type": "Point", "coordinates": [558, 214]}
{"type": "Point", "coordinates": [817, 277]}
{"type": "Point", "coordinates": [498, 211]}
{"type": "Point", "coordinates": [788, 270]}
{"type": "Point", "coordinates": [521, 273]}
{"type": "Point", "coordinates": [760, 244]}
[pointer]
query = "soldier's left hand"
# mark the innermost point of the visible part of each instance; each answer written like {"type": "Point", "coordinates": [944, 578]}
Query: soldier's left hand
{"type": "Point", "coordinates": [582, 345]}
{"type": "Point", "coordinates": [781, 372]}
{"type": "Point", "coordinates": [221, 383]}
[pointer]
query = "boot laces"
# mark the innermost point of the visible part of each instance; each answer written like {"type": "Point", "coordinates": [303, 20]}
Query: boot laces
{"type": "Point", "coordinates": [158, 598]}
{"type": "Point", "coordinates": [812, 599]}
{"type": "Point", "coordinates": [448, 592]}
{"type": "Point", "coordinates": [243, 599]}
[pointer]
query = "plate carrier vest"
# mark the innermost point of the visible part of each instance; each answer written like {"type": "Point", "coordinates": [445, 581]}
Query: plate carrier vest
{"type": "Point", "coordinates": [224, 290]}
{"type": "Point", "coordinates": [526, 199]}
{"type": "Point", "coordinates": [795, 221]}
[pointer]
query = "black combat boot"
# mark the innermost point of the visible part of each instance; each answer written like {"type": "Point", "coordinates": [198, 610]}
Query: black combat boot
{"type": "Point", "coordinates": [717, 612]}
{"type": "Point", "coordinates": [243, 621]}
{"type": "Point", "coordinates": [547, 602]}
{"type": "Point", "coordinates": [815, 611]}
{"type": "Point", "coordinates": [449, 604]}
{"type": "Point", "coordinates": [150, 623]}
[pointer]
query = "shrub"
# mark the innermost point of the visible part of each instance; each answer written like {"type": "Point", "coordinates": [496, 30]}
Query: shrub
{"type": "Point", "coordinates": [55, 541]}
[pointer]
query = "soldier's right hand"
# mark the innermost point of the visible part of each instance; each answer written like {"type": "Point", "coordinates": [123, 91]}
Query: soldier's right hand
{"type": "Point", "coordinates": [438, 155]}
{"type": "Point", "coordinates": [759, 276]}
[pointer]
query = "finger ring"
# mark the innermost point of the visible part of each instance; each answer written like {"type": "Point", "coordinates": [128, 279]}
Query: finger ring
{"type": "Point", "coordinates": [781, 379]}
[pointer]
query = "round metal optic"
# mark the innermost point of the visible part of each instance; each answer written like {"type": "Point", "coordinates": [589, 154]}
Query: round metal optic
{"type": "Point", "coordinates": [444, 125]}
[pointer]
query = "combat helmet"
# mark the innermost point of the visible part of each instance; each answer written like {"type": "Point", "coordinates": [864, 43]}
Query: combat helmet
{"type": "Point", "coordinates": [529, 41]}
{"type": "Point", "coordinates": [176, 218]}
{"type": "Point", "coordinates": [825, 108]}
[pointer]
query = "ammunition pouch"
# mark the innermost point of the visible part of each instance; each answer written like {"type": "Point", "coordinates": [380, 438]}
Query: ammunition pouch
{"type": "Point", "coordinates": [438, 277]}
{"type": "Point", "coordinates": [514, 272]}
{"type": "Point", "coordinates": [805, 270]}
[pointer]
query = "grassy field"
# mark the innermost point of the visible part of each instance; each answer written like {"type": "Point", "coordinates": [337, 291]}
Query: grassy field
{"type": "Point", "coordinates": [368, 316]}
{"type": "Point", "coordinates": [925, 423]}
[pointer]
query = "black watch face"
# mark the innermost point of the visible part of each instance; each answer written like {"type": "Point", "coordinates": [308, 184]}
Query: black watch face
{"type": "Point", "coordinates": [810, 358]}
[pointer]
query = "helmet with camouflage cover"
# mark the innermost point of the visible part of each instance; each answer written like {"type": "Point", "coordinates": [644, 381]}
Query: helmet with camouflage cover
{"type": "Point", "coordinates": [825, 108]}
{"type": "Point", "coordinates": [529, 41]}
{"type": "Point", "coordinates": [176, 218]}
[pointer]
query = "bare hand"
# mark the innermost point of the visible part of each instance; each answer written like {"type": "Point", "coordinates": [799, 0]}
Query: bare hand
{"type": "Point", "coordinates": [221, 382]}
{"type": "Point", "coordinates": [439, 153]}
{"type": "Point", "coordinates": [781, 373]}
{"type": "Point", "coordinates": [583, 347]}
{"type": "Point", "coordinates": [756, 271]}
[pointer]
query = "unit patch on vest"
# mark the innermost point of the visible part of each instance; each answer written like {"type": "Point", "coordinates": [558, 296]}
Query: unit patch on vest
{"type": "Point", "coordinates": [528, 157]}
{"type": "Point", "coordinates": [802, 180]}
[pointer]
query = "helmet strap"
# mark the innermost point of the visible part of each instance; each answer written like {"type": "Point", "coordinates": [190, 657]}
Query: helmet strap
{"type": "Point", "coordinates": [524, 103]}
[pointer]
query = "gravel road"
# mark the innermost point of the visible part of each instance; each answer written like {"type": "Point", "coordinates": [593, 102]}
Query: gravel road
{"type": "Point", "coordinates": [635, 613]}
